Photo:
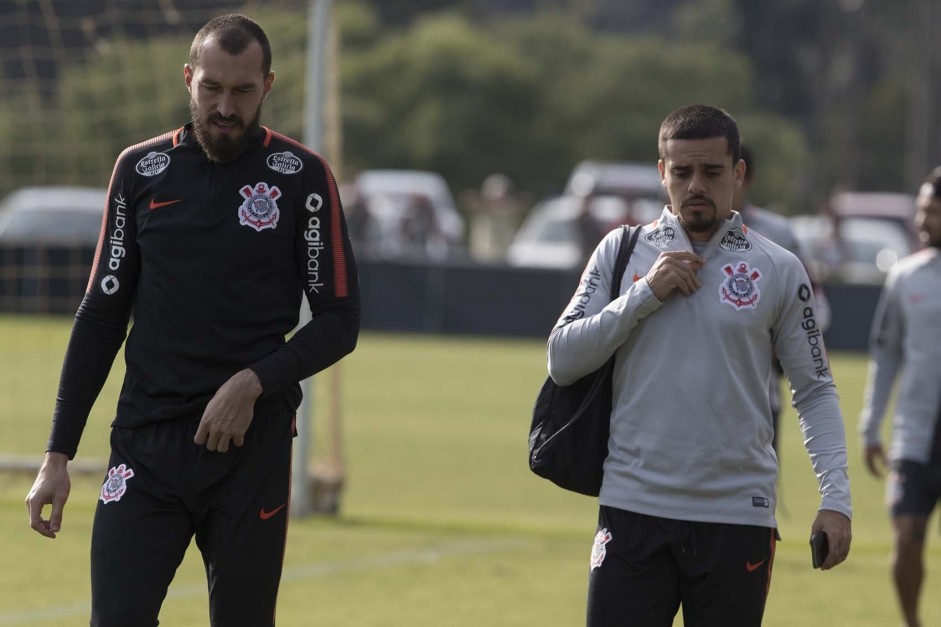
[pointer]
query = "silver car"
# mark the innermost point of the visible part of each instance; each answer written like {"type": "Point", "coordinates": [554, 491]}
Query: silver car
{"type": "Point", "coordinates": [48, 237]}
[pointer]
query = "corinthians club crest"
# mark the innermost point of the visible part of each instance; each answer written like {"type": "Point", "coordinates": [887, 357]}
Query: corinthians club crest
{"type": "Point", "coordinates": [599, 549]}
{"type": "Point", "coordinates": [116, 484]}
{"type": "Point", "coordinates": [259, 211]}
{"type": "Point", "coordinates": [740, 289]}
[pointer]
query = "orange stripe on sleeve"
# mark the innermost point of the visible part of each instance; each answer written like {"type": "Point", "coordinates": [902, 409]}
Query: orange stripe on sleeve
{"type": "Point", "coordinates": [107, 210]}
{"type": "Point", "coordinates": [341, 286]}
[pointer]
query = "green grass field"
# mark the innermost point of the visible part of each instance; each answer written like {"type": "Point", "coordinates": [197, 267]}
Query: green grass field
{"type": "Point", "coordinates": [442, 523]}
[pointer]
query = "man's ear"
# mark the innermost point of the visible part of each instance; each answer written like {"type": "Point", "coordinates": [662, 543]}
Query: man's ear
{"type": "Point", "coordinates": [269, 81]}
{"type": "Point", "coordinates": [740, 173]}
{"type": "Point", "coordinates": [187, 76]}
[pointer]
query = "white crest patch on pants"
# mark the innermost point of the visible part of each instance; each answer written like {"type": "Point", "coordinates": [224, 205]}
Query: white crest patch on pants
{"type": "Point", "coordinates": [116, 484]}
{"type": "Point", "coordinates": [599, 550]}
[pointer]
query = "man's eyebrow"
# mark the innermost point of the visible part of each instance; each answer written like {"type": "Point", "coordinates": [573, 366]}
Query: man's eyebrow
{"type": "Point", "coordinates": [214, 83]}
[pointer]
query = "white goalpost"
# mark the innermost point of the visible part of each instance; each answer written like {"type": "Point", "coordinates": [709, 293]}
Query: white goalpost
{"type": "Point", "coordinates": [317, 490]}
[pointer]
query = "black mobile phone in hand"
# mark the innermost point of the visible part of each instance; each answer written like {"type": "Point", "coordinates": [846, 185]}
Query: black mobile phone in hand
{"type": "Point", "coordinates": [819, 548]}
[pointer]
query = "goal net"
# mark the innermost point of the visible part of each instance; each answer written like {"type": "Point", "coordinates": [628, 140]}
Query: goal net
{"type": "Point", "coordinates": [83, 79]}
{"type": "Point", "coordinates": [80, 81]}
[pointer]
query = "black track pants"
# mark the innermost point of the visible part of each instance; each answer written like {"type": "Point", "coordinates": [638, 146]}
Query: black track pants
{"type": "Point", "coordinates": [161, 491]}
{"type": "Point", "coordinates": [643, 568]}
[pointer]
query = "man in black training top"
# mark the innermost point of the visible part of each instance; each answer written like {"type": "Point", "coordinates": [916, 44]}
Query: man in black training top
{"type": "Point", "coordinates": [211, 235]}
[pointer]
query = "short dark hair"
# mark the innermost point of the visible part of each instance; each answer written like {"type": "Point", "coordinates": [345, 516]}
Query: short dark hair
{"type": "Point", "coordinates": [934, 180]}
{"type": "Point", "coordinates": [700, 121]}
{"type": "Point", "coordinates": [234, 33]}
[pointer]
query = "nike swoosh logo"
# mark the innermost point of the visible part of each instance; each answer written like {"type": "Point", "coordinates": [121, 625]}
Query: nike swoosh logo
{"type": "Point", "coordinates": [266, 515]}
{"type": "Point", "coordinates": [156, 205]}
{"type": "Point", "coordinates": [748, 565]}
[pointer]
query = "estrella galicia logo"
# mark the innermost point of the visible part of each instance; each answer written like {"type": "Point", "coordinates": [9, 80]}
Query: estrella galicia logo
{"type": "Point", "coordinates": [735, 241]}
{"type": "Point", "coordinates": [803, 293]}
{"type": "Point", "coordinates": [153, 164]}
{"type": "Point", "coordinates": [662, 237]}
{"type": "Point", "coordinates": [285, 162]}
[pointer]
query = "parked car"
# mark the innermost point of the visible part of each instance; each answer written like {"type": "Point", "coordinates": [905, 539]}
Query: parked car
{"type": "Point", "coordinates": [48, 236]}
{"type": "Point", "coordinates": [52, 215]}
{"type": "Point", "coordinates": [859, 236]}
{"type": "Point", "coordinates": [403, 214]}
{"type": "Point", "coordinates": [626, 179]}
{"type": "Point", "coordinates": [562, 231]}
{"type": "Point", "coordinates": [554, 233]}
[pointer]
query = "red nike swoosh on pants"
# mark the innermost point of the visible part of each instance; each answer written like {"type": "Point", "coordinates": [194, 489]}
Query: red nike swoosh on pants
{"type": "Point", "coordinates": [266, 515]}
{"type": "Point", "coordinates": [748, 565]}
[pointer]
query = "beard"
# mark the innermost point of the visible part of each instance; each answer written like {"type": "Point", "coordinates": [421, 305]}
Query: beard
{"type": "Point", "coordinates": [700, 221]}
{"type": "Point", "coordinates": [222, 148]}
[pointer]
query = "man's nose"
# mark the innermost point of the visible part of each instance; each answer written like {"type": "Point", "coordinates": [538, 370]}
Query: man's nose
{"type": "Point", "coordinates": [226, 106]}
{"type": "Point", "coordinates": [697, 183]}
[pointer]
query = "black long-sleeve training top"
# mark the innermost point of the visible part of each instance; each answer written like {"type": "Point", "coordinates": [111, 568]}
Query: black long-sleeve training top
{"type": "Point", "coordinates": [210, 260]}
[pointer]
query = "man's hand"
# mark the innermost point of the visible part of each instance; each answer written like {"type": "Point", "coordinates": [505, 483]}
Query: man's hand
{"type": "Point", "coordinates": [51, 487]}
{"type": "Point", "coordinates": [875, 459]}
{"type": "Point", "coordinates": [839, 535]}
{"type": "Point", "coordinates": [229, 412]}
{"type": "Point", "coordinates": [675, 270]}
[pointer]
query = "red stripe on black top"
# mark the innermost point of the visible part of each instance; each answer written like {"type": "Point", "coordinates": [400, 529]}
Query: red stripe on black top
{"type": "Point", "coordinates": [340, 278]}
{"type": "Point", "coordinates": [104, 217]}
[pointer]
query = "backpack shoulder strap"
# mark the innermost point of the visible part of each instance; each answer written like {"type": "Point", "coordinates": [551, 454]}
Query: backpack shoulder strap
{"type": "Point", "coordinates": [628, 240]}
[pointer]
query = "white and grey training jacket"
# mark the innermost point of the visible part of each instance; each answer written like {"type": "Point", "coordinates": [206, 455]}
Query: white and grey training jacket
{"type": "Point", "coordinates": [691, 426]}
{"type": "Point", "coordinates": [906, 340]}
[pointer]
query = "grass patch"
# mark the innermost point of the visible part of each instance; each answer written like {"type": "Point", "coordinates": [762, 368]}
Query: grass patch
{"type": "Point", "coordinates": [442, 523]}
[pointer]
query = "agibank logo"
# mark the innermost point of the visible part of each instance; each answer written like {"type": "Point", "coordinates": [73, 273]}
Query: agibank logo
{"type": "Point", "coordinates": [314, 242]}
{"type": "Point", "coordinates": [115, 246]}
{"type": "Point", "coordinates": [814, 334]}
{"type": "Point", "coordinates": [589, 285]}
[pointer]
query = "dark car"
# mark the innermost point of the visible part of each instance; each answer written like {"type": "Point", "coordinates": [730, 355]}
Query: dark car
{"type": "Point", "coordinates": [48, 236]}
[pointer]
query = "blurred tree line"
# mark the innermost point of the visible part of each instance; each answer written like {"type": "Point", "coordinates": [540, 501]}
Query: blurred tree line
{"type": "Point", "coordinates": [858, 80]}
{"type": "Point", "coordinates": [830, 93]}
